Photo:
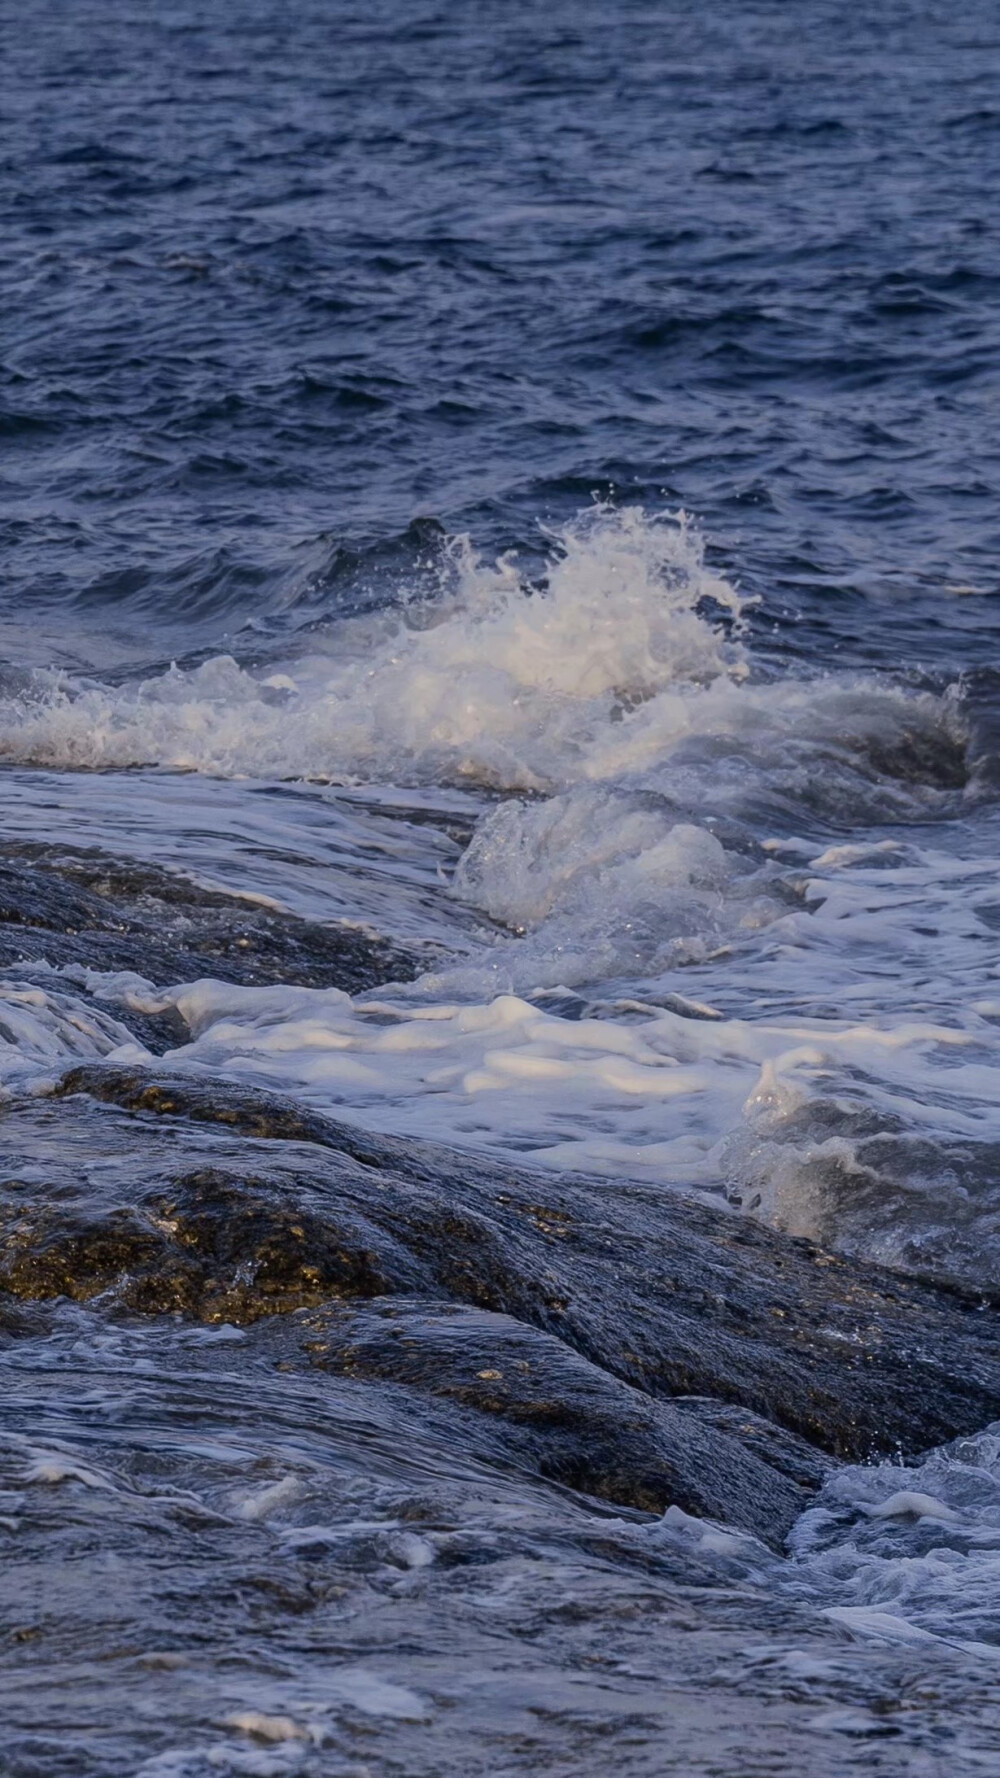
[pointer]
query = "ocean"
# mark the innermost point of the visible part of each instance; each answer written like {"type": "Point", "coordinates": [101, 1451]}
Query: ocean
{"type": "Point", "coordinates": [499, 712]}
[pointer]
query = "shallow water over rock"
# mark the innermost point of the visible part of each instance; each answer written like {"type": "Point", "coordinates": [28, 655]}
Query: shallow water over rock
{"type": "Point", "coordinates": [499, 927]}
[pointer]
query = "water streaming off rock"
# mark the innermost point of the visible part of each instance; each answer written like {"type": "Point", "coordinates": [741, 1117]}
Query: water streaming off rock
{"type": "Point", "coordinates": [499, 903]}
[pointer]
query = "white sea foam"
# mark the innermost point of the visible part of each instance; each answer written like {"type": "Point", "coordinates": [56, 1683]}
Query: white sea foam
{"type": "Point", "coordinates": [839, 1075]}
{"type": "Point", "coordinates": [527, 859]}
{"type": "Point", "coordinates": [627, 664]}
{"type": "Point", "coordinates": [44, 1030]}
{"type": "Point", "coordinates": [893, 1554]}
{"type": "Point", "coordinates": [908, 1554]}
{"type": "Point", "coordinates": [826, 1067]}
{"type": "Point", "coordinates": [804, 1072]}
{"type": "Point", "coordinates": [265, 1728]}
{"type": "Point", "coordinates": [849, 1131]}
{"type": "Point", "coordinates": [489, 684]}
{"type": "Point", "coordinates": [604, 883]}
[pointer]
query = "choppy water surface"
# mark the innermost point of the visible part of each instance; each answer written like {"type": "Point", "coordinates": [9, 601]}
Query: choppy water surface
{"type": "Point", "coordinates": [526, 485]}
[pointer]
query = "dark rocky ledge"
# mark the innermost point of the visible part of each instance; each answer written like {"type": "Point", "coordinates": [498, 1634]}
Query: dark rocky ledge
{"type": "Point", "coordinates": [555, 1412]}
{"type": "Point", "coordinates": [634, 1344]}
{"type": "Point", "coordinates": [65, 907]}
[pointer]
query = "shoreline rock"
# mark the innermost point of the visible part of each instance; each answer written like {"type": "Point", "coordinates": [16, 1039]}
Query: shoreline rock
{"type": "Point", "coordinates": [624, 1340]}
{"type": "Point", "coordinates": [83, 907]}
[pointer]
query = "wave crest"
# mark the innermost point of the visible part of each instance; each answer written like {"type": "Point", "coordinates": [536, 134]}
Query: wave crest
{"type": "Point", "coordinates": [504, 684]}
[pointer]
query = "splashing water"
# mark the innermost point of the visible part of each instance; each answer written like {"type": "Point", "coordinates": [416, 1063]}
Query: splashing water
{"type": "Point", "coordinates": [496, 683]}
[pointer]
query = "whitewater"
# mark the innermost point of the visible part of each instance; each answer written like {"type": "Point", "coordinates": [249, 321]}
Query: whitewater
{"type": "Point", "coordinates": [707, 929]}
{"type": "Point", "coordinates": [499, 892]}
{"type": "Point", "coordinates": [690, 935]}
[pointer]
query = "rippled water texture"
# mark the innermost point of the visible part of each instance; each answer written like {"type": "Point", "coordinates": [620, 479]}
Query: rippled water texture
{"type": "Point", "coordinates": [498, 645]}
{"type": "Point", "coordinates": [279, 282]}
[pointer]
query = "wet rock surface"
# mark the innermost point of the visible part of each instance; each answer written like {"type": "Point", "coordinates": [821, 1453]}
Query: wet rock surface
{"type": "Point", "coordinates": [64, 907]}
{"type": "Point", "coordinates": [278, 1542]}
{"type": "Point", "coordinates": [625, 1342]}
{"type": "Point", "coordinates": [563, 1417]}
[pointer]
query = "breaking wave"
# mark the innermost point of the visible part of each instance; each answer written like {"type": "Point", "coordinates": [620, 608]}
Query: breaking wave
{"type": "Point", "coordinates": [626, 663]}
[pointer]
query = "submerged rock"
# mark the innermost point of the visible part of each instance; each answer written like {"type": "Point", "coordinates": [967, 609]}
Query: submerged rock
{"type": "Point", "coordinates": [229, 1204]}
{"type": "Point", "coordinates": [780, 1449]}
{"type": "Point", "coordinates": [65, 907]}
{"type": "Point", "coordinates": [570, 1420]}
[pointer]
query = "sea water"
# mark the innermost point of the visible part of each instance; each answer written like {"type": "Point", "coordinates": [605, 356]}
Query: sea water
{"type": "Point", "coordinates": [524, 485]}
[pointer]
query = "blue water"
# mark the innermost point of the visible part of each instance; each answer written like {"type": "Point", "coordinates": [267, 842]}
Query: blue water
{"type": "Point", "coordinates": [284, 288]}
{"type": "Point", "coordinates": [356, 364]}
